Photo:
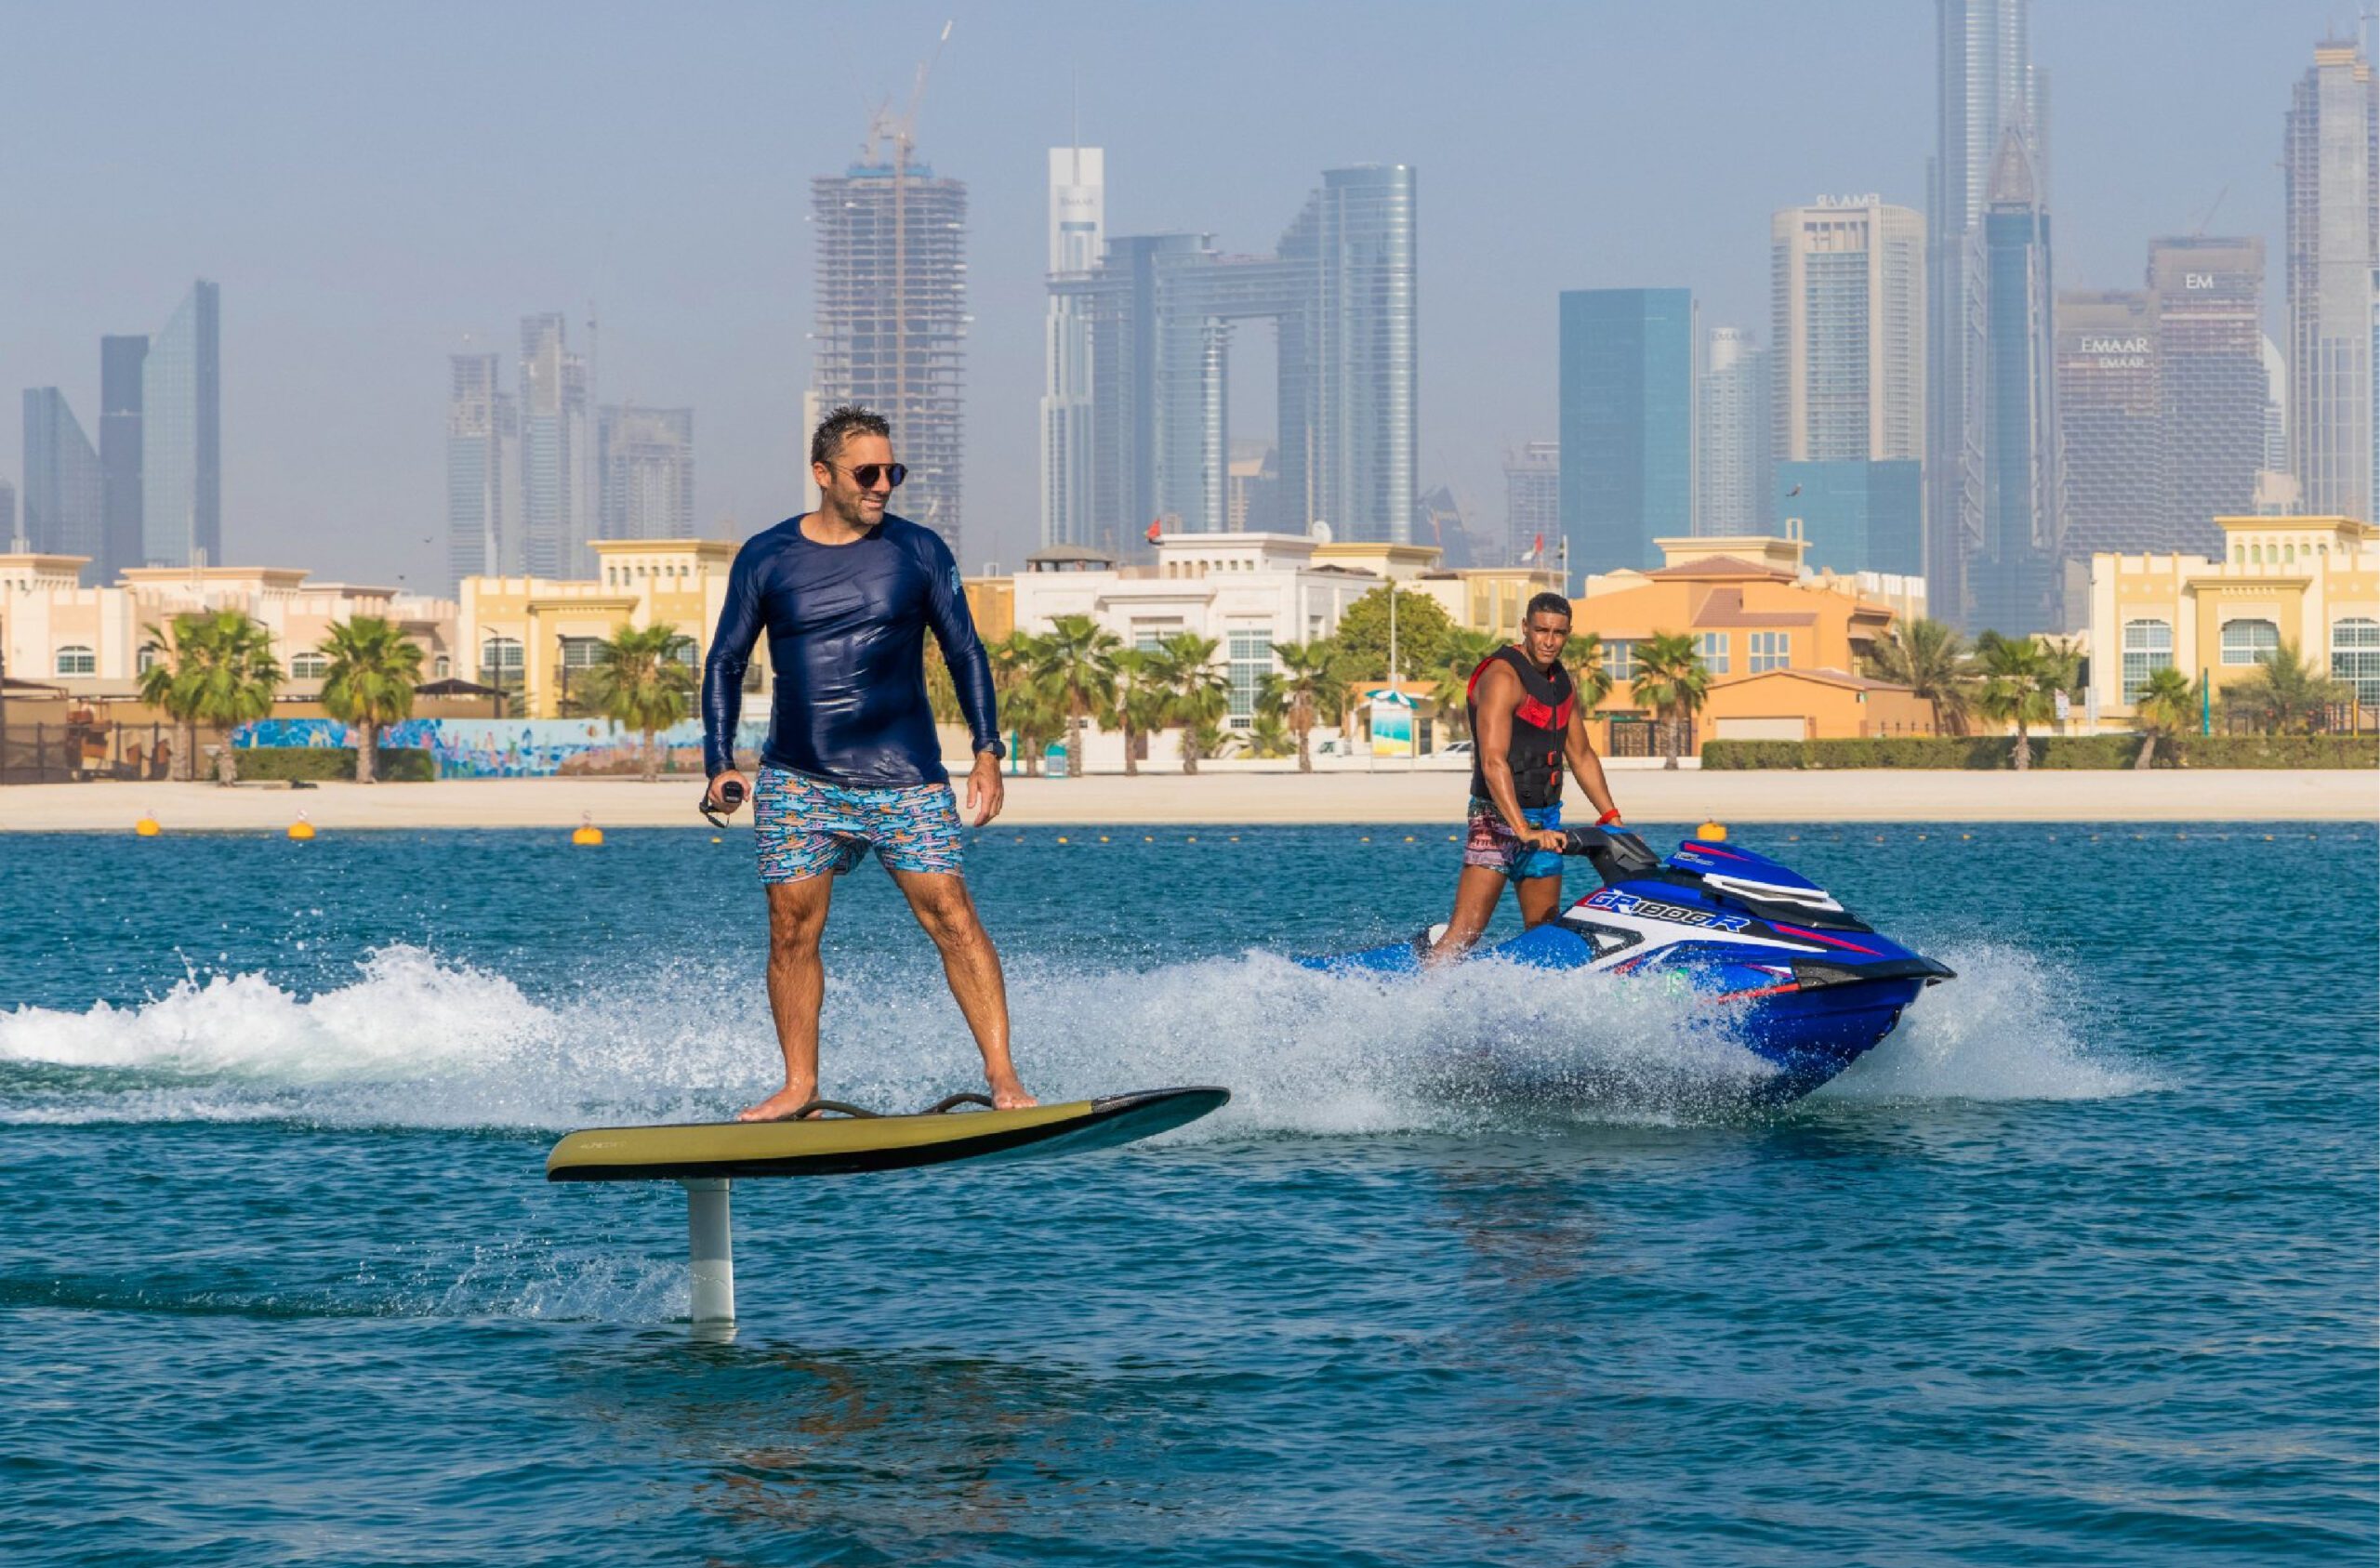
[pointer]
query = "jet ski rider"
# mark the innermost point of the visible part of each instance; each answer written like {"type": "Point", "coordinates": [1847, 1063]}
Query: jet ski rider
{"type": "Point", "coordinates": [1525, 723]}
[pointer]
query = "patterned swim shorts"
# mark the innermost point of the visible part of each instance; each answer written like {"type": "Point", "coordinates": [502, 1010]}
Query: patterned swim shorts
{"type": "Point", "coordinates": [807, 827]}
{"type": "Point", "coordinates": [1495, 846]}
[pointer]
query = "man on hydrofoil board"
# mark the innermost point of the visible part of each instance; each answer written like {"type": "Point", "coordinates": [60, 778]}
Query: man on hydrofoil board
{"type": "Point", "coordinates": [1526, 722]}
{"type": "Point", "coordinates": [846, 594]}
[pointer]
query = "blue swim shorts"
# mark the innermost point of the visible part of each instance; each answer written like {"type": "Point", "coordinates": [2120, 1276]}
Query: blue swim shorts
{"type": "Point", "coordinates": [808, 827]}
{"type": "Point", "coordinates": [1493, 844]}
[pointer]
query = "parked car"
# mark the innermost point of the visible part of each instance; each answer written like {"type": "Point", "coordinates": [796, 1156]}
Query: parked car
{"type": "Point", "coordinates": [1457, 748]}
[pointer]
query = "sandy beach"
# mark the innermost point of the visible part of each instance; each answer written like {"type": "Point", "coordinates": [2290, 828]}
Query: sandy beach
{"type": "Point", "coordinates": [1647, 796]}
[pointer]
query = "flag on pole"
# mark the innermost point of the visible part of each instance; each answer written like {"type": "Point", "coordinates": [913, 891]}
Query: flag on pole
{"type": "Point", "coordinates": [1536, 548]}
{"type": "Point", "coordinates": [1156, 528]}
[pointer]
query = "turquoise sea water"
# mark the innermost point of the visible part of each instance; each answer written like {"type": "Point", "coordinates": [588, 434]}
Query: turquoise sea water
{"type": "Point", "coordinates": [2078, 1268]}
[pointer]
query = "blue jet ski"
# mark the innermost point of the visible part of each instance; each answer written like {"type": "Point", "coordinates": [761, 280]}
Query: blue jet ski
{"type": "Point", "coordinates": [1802, 981]}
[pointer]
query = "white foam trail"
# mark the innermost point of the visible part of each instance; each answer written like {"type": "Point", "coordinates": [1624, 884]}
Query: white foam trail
{"type": "Point", "coordinates": [418, 1042]}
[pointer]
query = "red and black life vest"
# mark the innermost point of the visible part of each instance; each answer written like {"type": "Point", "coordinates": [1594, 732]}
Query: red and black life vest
{"type": "Point", "coordinates": [1539, 725]}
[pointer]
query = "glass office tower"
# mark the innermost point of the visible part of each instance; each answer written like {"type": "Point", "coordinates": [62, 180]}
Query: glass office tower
{"type": "Point", "coordinates": [2015, 578]}
{"type": "Point", "coordinates": [1627, 401]}
{"type": "Point", "coordinates": [646, 457]}
{"type": "Point", "coordinates": [63, 514]}
{"type": "Point", "coordinates": [122, 363]}
{"type": "Point", "coordinates": [181, 442]}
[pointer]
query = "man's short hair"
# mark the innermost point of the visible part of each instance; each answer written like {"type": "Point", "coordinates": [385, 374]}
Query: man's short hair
{"type": "Point", "coordinates": [844, 422]}
{"type": "Point", "coordinates": [1546, 604]}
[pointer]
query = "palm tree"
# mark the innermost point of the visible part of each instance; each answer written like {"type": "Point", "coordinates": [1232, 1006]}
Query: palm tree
{"type": "Point", "coordinates": [637, 683]}
{"type": "Point", "coordinates": [2284, 696]}
{"type": "Point", "coordinates": [1673, 680]}
{"type": "Point", "coordinates": [1582, 657]}
{"type": "Point", "coordinates": [1077, 666]}
{"type": "Point", "coordinates": [213, 667]}
{"type": "Point", "coordinates": [369, 682]}
{"type": "Point", "coordinates": [2165, 705]}
{"type": "Point", "coordinates": [1464, 650]}
{"type": "Point", "coordinates": [1024, 701]}
{"type": "Point", "coordinates": [1140, 701]}
{"type": "Point", "coordinates": [1269, 738]}
{"type": "Point", "coordinates": [1309, 688]}
{"type": "Point", "coordinates": [1200, 695]}
{"type": "Point", "coordinates": [2017, 680]}
{"type": "Point", "coordinates": [1929, 658]}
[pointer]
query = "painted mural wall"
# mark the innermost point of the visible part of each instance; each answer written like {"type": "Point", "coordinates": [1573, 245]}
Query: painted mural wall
{"type": "Point", "coordinates": [508, 748]}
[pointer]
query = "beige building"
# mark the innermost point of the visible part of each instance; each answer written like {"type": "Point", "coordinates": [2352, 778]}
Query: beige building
{"type": "Point", "coordinates": [89, 641]}
{"type": "Point", "coordinates": [532, 635]}
{"type": "Point", "coordinates": [1847, 331]}
{"type": "Point", "coordinates": [2311, 582]}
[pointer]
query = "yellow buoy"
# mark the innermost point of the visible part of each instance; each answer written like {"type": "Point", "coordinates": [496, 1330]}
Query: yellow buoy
{"type": "Point", "coordinates": [301, 828]}
{"type": "Point", "coordinates": [1061, 838]}
{"type": "Point", "coordinates": [1712, 833]}
{"type": "Point", "coordinates": [1102, 839]}
{"type": "Point", "coordinates": [147, 827]}
{"type": "Point", "coordinates": [587, 833]}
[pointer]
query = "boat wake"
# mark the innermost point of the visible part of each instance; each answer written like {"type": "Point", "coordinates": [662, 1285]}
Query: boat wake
{"type": "Point", "coordinates": [418, 1041]}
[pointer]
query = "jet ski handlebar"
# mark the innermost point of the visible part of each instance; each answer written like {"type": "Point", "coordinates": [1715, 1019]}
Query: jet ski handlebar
{"type": "Point", "coordinates": [1614, 854]}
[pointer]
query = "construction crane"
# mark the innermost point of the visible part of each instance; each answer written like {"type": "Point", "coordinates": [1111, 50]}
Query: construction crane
{"type": "Point", "coordinates": [902, 131]}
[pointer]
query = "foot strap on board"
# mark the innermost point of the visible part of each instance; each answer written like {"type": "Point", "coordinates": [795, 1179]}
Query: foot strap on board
{"type": "Point", "coordinates": [819, 1107]}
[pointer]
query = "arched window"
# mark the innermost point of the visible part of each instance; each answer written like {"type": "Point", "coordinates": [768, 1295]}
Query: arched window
{"type": "Point", "coordinates": [2239, 555]}
{"type": "Point", "coordinates": [2289, 555]}
{"type": "Point", "coordinates": [443, 668]}
{"type": "Point", "coordinates": [75, 659]}
{"type": "Point", "coordinates": [2244, 642]}
{"type": "Point", "coordinates": [309, 665]}
{"type": "Point", "coordinates": [2355, 657]}
{"type": "Point", "coordinates": [2147, 648]}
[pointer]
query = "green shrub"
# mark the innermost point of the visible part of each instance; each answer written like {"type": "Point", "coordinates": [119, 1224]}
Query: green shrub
{"type": "Point", "coordinates": [2050, 751]}
{"type": "Point", "coordinates": [316, 763]}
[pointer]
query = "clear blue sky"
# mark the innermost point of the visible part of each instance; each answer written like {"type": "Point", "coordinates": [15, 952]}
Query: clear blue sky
{"type": "Point", "coordinates": [370, 183]}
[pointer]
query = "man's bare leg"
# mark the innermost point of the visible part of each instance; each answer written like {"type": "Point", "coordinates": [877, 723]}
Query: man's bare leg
{"type": "Point", "coordinates": [1476, 893]}
{"type": "Point", "coordinates": [796, 985]}
{"type": "Point", "coordinates": [943, 905]}
{"type": "Point", "coordinates": [1541, 899]}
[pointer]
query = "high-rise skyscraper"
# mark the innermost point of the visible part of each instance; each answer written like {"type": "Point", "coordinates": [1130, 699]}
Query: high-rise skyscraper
{"type": "Point", "coordinates": [1162, 309]}
{"type": "Point", "coordinates": [2014, 581]}
{"type": "Point", "coordinates": [891, 318]}
{"type": "Point", "coordinates": [8, 534]}
{"type": "Point", "coordinates": [122, 363]}
{"type": "Point", "coordinates": [557, 453]}
{"type": "Point", "coordinates": [1627, 400]}
{"type": "Point", "coordinates": [1077, 235]}
{"type": "Point", "coordinates": [647, 459]}
{"type": "Point", "coordinates": [1984, 82]}
{"type": "Point", "coordinates": [483, 457]}
{"type": "Point", "coordinates": [2330, 162]}
{"type": "Point", "coordinates": [1532, 502]}
{"type": "Point", "coordinates": [2276, 408]}
{"type": "Point", "coordinates": [1735, 448]}
{"type": "Point", "coordinates": [62, 513]}
{"type": "Point", "coordinates": [1350, 445]}
{"type": "Point", "coordinates": [2111, 412]}
{"type": "Point", "coordinates": [181, 435]}
{"type": "Point", "coordinates": [1847, 323]}
{"type": "Point", "coordinates": [2208, 294]}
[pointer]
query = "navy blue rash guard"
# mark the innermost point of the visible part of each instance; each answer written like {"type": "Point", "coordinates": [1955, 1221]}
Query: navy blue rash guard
{"type": "Point", "coordinates": [847, 626]}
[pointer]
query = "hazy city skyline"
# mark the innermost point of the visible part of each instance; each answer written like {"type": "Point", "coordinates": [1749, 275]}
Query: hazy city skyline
{"type": "Point", "coordinates": [313, 164]}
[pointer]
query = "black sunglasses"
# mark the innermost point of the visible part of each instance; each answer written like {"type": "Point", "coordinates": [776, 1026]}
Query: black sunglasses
{"type": "Point", "coordinates": [866, 473]}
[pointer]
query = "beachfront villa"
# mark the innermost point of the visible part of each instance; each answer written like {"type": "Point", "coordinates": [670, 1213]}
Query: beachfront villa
{"type": "Point", "coordinates": [1784, 645]}
{"type": "Point", "coordinates": [2311, 582]}
{"type": "Point", "coordinates": [89, 642]}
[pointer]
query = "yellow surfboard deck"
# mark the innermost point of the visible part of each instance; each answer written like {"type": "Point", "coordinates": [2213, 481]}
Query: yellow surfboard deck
{"type": "Point", "coordinates": [843, 1145]}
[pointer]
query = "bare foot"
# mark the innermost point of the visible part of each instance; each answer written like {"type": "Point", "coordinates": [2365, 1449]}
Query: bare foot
{"type": "Point", "coordinates": [1010, 1096]}
{"type": "Point", "coordinates": [778, 1106]}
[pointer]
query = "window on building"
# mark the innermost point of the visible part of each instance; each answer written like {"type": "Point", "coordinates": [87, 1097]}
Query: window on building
{"type": "Point", "coordinates": [144, 660]}
{"type": "Point", "coordinates": [682, 651]}
{"type": "Point", "coordinates": [1252, 661]}
{"type": "Point", "coordinates": [581, 652]}
{"type": "Point", "coordinates": [500, 662]}
{"type": "Point", "coordinates": [2147, 648]}
{"type": "Point", "coordinates": [2355, 657]}
{"type": "Point", "coordinates": [75, 659]}
{"type": "Point", "coordinates": [309, 665]}
{"type": "Point", "coordinates": [443, 668]}
{"type": "Point", "coordinates": [1770, 650]}
{"type": "Point", "coordinates": [1712, 646]}
{"type": "Point", "coordinates": [1620, 657]}
{"type": "Point", "coordinates": [2244, 642]}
